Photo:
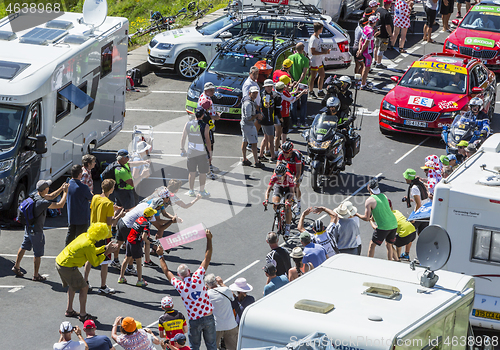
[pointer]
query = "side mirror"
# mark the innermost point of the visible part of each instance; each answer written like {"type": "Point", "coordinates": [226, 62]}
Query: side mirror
{"type": "Point", "coordinates": [455, 22]}
{"type": "Point", "coordinates": [395, 79]}
{"type": "Point", "coordinates": [225, 35]}
{"type": "Point", "coordinates": [202, 65]}
{"type": "Point", "coordinates": [40, 144]}
{"type": "Point", "coordinates": [476, 90]}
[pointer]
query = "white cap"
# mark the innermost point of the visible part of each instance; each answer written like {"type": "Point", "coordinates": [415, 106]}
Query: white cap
{"type": "Point", "coordinates": [65, 327]}
{"type": "Point", "coordinates": [254, 89]}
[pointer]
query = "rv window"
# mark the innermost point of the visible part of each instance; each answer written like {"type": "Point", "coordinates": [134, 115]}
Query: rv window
{"type": "Point", "coordinates": [486, 245]}
{"type": "Point", "coordinates": [63, 106]}
{"type": "Point", "coordinates": [33, 125]}
{"type": "Point", "coordinates": [106, 59]}
{"type": "Point", "coordinates": [10, 119]}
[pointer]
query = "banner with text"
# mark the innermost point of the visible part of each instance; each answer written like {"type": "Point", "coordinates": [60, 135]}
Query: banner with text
{"type": "Point", "coordinates": [185, 236]}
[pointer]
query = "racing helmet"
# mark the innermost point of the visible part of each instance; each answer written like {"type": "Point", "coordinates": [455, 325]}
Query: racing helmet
{"type": "Point", "coordinates": [476, 101]}
{"type": "Point", "coordinates": [318, 225]}
{"type": "Point", "coordinates": [281, 169]}
{"type": "Point", "coordinates": [164, 193]}
{"type": "Point", "coordinates": [167, 303]}
{"type": "Point", "coordinates": [333, 102]}
{"type": "Point", "coordinates": [199, 112]}
{"type": "Point", "coordinates": [287, 146]}
{"type": "Point", "coordinates": [346, 82]}
{"type": "Point", "coordinates": [156, 202]}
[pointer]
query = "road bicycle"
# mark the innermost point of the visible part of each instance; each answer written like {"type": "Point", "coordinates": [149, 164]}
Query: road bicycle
{"type": "Point", "coordinates": [279, 220]}
{"type": "Point", "coordinates": [196, 12]}
{"type": "Point", "coordinates": [158, 24]}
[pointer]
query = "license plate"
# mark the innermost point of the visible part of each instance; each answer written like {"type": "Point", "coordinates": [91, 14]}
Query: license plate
{"type": "Point", "coordinates": [486, 314]}
{"type": "Point", "coordinates": [415, 123]}
{"type": "Point", "coordinates": [149, 51]}
{"type": "Point", "coordinates": [221, 109]}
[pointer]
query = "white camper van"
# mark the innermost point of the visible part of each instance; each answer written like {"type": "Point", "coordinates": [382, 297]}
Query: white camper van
{"type": "Point", "coordinates": [467, 206]}
{"type": "Point", "coordinates": [64, 82]}
{"type": "Point", "coordinates": [363, 303]}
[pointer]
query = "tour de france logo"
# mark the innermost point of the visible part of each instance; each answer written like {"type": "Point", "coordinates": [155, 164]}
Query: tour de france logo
{"type": "Point", "coordinates": [24, 14]}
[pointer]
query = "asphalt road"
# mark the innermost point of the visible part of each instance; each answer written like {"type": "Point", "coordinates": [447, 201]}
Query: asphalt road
{"type": "Point", "coordinates": [31, 312]}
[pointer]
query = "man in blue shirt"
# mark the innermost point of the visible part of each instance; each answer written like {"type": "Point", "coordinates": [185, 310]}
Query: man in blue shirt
{"type": "Point", "coordinates": [79, 197]}
{"type": "Point", "coordinates": [95, 342]}
{"type": "Point", "coordinates": [313, 253]}
{"type": "Point", "coordinates": [273, 282]}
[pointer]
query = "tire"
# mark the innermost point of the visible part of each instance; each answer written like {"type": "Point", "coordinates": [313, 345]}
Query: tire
{"type": "Point", "coordinates": [315, 180]}
{"type": "Point", "coordinates": [19, 196]}
{"type": "Point", "coordinates": [187, 65]}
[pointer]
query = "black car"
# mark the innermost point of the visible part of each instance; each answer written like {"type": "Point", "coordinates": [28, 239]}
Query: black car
{"type": "Point", "coordinates": [230, 67]}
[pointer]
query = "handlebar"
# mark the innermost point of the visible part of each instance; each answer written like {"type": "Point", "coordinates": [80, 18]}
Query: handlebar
{"type": "Point", "coordinates": [279, 204]}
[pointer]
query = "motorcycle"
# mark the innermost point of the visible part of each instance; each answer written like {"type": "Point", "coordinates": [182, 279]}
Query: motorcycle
{"type": "Point", "coordinates": [461, 129]}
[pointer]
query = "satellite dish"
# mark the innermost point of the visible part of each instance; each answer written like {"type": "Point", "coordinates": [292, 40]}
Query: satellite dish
{"type": "Point", "coordinates": [433, 247]}
{"type": "Point", "coordinates": [95, 12]}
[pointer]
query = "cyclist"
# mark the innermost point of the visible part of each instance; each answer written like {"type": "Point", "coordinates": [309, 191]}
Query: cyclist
{"type": "Point", "coordinates": [479, 117]}
{"type": "Point", "coordinates": [283, 187]}
{"type": "Point", "coordinates": [333, 105]}
{"type": "Point", "coordinates": [295, 163]}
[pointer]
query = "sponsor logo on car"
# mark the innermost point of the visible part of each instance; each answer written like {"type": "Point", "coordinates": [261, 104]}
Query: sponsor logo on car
{"type": "Point", "coordinates": [479, 41]}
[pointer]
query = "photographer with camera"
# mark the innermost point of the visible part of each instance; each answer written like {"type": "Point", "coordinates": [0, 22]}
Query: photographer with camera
{"type": "Point", "coordinates": [176, 343]}
{"type": "Point", "coordinates": [65, 342]}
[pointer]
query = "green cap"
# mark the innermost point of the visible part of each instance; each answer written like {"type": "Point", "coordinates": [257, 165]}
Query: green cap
{"type": "Point", "coordinates": [305, 236]}
{"type": "Point", "coordinates": [409, 174]}
{"type": "Point", "coordinates": [444, 159]}
{"type": "Point", "coordinates": [463, 143]}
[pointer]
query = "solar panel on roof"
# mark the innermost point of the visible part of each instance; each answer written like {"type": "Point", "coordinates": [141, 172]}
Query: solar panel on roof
{"type": "Point", "coordinates": [58, 24]}
{"type": "Point", "coordinates": [43, 35]}
{"type": "Point", "coordinates": [6, 35]}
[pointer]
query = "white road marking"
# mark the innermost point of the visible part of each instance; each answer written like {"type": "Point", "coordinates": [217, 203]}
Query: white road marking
{"type": "Point", "coordinates": [169, 92]}
{"type": "Point", "coordinates": [366, 113]}
{"type": "Point", "coordinates": [13, 290]}
{"type": "Point", "coordinates": [241, 271]}
{"type": "Point", "coordinates": [153, 110]}
{"type": "Point", "coordinates": [407, 153]}
{"type": "Point", "coordinates": [31, 256]}
{"type": "Point", "coordinates": [398, 60]}
{"type": "Point", "coordinates": [413, 49]}
{"type": "Point", "coordinates": [178, 155]}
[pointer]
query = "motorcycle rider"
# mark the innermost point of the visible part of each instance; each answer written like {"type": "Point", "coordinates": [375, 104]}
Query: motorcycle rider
{"type": "Point", "coordinates": [333, 107]}
{"type": "Point", "coordinates": [481, 119]}
{"type": "Point", "coordinates": [345, 95]}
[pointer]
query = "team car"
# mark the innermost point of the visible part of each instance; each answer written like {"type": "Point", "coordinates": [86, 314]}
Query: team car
{"type": "Point", "coordinates": [229, 69]}
{"type": "Point", "coordinates": [478, 35]}
{"type": "Point", "coordinates": [433, 91]}
{"type": "Point", "coordinates": [182, 49]}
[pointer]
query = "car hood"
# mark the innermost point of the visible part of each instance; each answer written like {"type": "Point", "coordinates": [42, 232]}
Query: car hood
{"type": "Point", "coordinates": [441, 101]}
{"type": "Point", "coordinates": [224, 84]}
{"type": "Point", "coordinates": [176, 36]}
{"type": "Point", "coordinates": [459, 36]}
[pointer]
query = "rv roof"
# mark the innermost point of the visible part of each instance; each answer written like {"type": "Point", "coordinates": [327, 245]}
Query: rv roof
{"type": "Point", "coordinates": [339, 281]}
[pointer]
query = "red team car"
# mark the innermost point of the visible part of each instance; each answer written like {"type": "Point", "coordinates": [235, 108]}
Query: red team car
{"type": "Point", "coordinates": [433, 90]}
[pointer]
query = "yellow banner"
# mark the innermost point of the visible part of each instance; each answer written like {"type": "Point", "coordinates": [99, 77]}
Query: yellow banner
{"type": "Point", "coordinates": [440, 66]}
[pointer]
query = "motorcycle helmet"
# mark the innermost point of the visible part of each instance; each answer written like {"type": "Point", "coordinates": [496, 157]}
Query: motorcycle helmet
{"type": "Point", "coordinates": [167, 303]}
{"type": "Point", "coordinates": [318, 226]}
{"type": "Point", "coordinates": [346, 82]}
{"type": "Point", "coordinates": [287, 146]}
{"type": "Point", "coordinates": [333, 102]}
{"type": "Point", "coordinates": [281, 169]}
{"type": "Point", "coordinates": [476, 101]}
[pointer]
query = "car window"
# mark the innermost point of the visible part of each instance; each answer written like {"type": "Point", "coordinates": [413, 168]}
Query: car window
{"type": "Point", "coordinates": [236, 30]}
{"type": "Point", "coordinates": [282, 28]}
{"type": "Point", "coordinates": [305, 30]}
{"type": "Point", "coordinates": [216, 25]}
{"type": "Point", "coordinates": [473, 78]}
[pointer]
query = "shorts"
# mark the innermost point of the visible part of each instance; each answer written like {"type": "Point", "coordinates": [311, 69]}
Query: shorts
{"type": "Point", "coordinates": [286, 125]}
{"type": "Point", "coordinates": [367, 59]}
{"type": "Point", "coordinates": [317, 68]}
{"type": "Point", "coordinates": [268, 130]}
{"type": "Point", "coordinates": [359, 58]}
{"type": "Point", "coordinates": [281, 192]}
{"type": "Point", "coordinates": [71, 276]}
{"type": "Point", "coordinates": [447, 10]}
{"type": "Point", "coordinates": [277, 121]}
{"type": "Point", "coordinates": [400, 242]}
{"type": "Point", "coordinates": [249, 133]}
{"type": "Point", "coordinates": [125, 198]}
{"type": "Point", "coordinates": [35, 241]}
{"type": "Point", "coordinates": [381, 44]}
{"type": "Point", "coordinates": [134, 250]}
{"type": "Point", "coordinates": [420, 225]}
{"type": "Point", "coordinates": [380, 235]}
{"type": "Point", "coordinates": [122, 231]}
{"type": "Point", "coordinates": [101, 243]}
{"type": "Point", "coordinates": [200, 162]}
{"type": "Point", "coordinates": [431, 16]}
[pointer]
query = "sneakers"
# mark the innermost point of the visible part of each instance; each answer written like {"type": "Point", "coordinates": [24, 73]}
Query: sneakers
{"type": "Point", "coordinates": [459, 15]}
{"type": "Point", "coordinates": [122, 280]}
{"type": "Point", "coordinates": [321, 93]}
{"type": "Point", "coordinates": [141, 283]}
{"type": "Point", "coordinates": [131, 271]}
{"type": "Point", "coordinates": [246, 162]}
{"type": "Point", "coordinates": [303, 126]}
{"type": "Point", "coordinates": [191, 193]}
{"type": "Point", "coordinates": [214, 169]}
{"type": "Point", "coordinates": [149, 264]}
{"type": "Point", "coordinates": [106, 290]}
{"type": "Point", "coordinates": [312, 94]}
{"type": "Point", "coordinates": [405, 256]}
{"type": "Point", "coordinates": [116, 264]}
{"type": "Point", "coordinates": [212, 176]}
{"type": "Point", "coordinates": [264, 159]}
{"type": "Point", "coordinates": [295, 126]}
{"type": "Point", "coordinates": [204, 193]}
{"type": "Point", "coordinates": [90, 287]}
{"type": "Point", "coordinates": [267, 153]}
{"type": "Point", "coordinates": [380, 66]}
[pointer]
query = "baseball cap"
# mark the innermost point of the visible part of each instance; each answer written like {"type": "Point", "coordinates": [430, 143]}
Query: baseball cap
{"type": "Point", "coordinates": [148, 212]}
{"type": "Point", "coordinates": [209, 86]}
{"type": "Point", "coordinates": [66, 327]}
{"type": "Point", "coordinates": [387, 1]}
{"type": "Point", "coordinates": [463, 143]}
{"type": "Point", "coordinates": [280, 86]}
{"type": "Point", "coordinates": [270, 269]}
{"type": "Point", "coordinates": [268, 82]}
{"type": "Point", "coordinates": [409, 174]}
{"type": "Point", "coordinates": [285, 79]}
{"type": "Point", "coordinates": [445, 160]}
{"type": "Point", "coordinates": [122, 153]}
{"type": "Point", "coordinates": [471, 148]}
{"type": "Point", "coordinates": [373, 19]}
{"type": "Point", "coordinates": [253, 89]}
{"type": "Point", "coordinates": [89, 324]}
{"type": "Point", "coordinates": [373, 3]}
{"type": "Point", "coordinates": [428, 165]}
{"type": "Point", "coordinates": [305, 236]}
{"type": "Point", "coordinates": [179, 337]}
{"type": "Point", "coordinates": [287, 63]}
{"type": "Point", "coordinates": [43, 184]}
{"type": "Point", "coordinates": [129, 325]}
{"type": "Point", "coordinates": [167, 302]}
{"type": "Point", "coordinates": [452, 157]}
{"type": "Point", "coordinates": [373, 184]}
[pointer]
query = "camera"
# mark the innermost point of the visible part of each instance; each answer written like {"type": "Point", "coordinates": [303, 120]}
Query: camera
{"type": "Point", "coordinates": [403, 199]}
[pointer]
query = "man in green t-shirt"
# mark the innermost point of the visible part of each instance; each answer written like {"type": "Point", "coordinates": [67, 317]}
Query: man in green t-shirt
{"type": "Point", "coordinates": [124, 192]}
{"type": "Point", "coordinates": [299, 73]}
{"type": "Point", "coordinates": [377, 206]}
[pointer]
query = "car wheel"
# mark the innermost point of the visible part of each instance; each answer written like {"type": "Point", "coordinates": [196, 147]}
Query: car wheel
{"type": "Point", "coordinates": [187, 65]}
{"type": "Point", "coordinates": [19, 196]}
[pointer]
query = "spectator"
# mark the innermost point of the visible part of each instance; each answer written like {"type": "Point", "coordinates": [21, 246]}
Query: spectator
{"type": "Point", "coordinates": [373, 4]}
{"type": "Point", "coordinates": [278, 254]}
{"type": "Point", "coordinates": [430, 8]}
{"type": "Point", "coordinates": [178, 342]}
{"type": "Point", "coordinates": [33, 234]}
{"type": "Point", "coordinates": [65, 342]}
{"type": "Point", "coordinates": [366, 50]}
{"type": "Point", "coordinates": [461, 151]}
{"type": "Point", "coordinates": [273, 282]}
{"type": "Point", "coordinates": [76, 254]}
{"type": "Point", "coordinates": [299, 269]}
{"type": "Point", "coordinates": [172, 322]}
{"type": "Point", "coordinates": [444, 160]}
{"type": "Point", "coordinates": [124, 194]}
{"type": "Point", "coordinates": [89, 162]}
{"type": "Point", "coordinates": [133, 338]}
{"type": "Point", "coordinates": [249, 113]}
{"type": "Point", "coordinates": [288, 98]}
{"type": "Point", "coordinates": [401, 22]}
{"type": "Point", "coordinates": [96, 342]}
{"type": "Point", "coordinates": [160, 224]}
{"type": "Point", "coordinates": [79, 196]}
{"type": "Point", "coordinates": [221, 298]}
{"type": "Point", "coordinates": [242, 300]}
{"type": "Point", "coordinates": [346, 232]}
{"type": "Point", "coordinates": [446, 9]}
{"type": "Point", "coordinates": [322, 235]}
{"type": "Point", "coordinates": [417, 193]}
{"type": "Point", "coordinates": [317, 54]}
{"type": "Point", "coordinates": [353, 210]}
{"type": "Point", "coordinates": [378, 206]}
{"type": "Point", "coordinates": [199, 150]}
{"type": "Point", "coordinates": [313, 253]}
{"type": "Point", "coordinates": [452, 160]}
{"type": "Point", "coordinates": [459, 7]}
{"type": "Point", "coordinates": [405, 234]}
{"type": "Point", "coordinates": [300, 66]}
{"type": "Point", "coordinates": [386, 31]}
{"type": "Point", "coordinates": [271, 110]}
{"type": "Point", "coordinates": [447, 170]}
{"type": "Point", "coordinates": [205, 101]}
{"type": "Point", "coordinates": [253, 76]}
{"type": "Point", "coordinates": [142, 171]}
{"type": "Point", "coordinates": [285, 70]}
{"type": "Point", "coordinates": [470, 150]}
{"type": "Point", "coordinates": [191, 288]}
{"type": "Point", "coordinates": [358, 58]}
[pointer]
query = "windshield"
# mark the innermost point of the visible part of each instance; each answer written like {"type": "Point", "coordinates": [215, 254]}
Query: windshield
{"type": "Point", "coordinates": [435, 80]}
{"type": "Point", "coordinates": [233, 63]}
{"type": "Point", "coordinates": [216, 25]}
{"type": "Point", "coordinates": [485, 18]}
{"type": "Point", "coordinates": [10, 121]}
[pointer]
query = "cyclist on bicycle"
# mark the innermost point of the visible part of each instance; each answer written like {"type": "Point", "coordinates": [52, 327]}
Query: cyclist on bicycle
{"type": "Point", "coordinates": [295, 163]}
{"type": "Point", "coordinates": [283, 184]}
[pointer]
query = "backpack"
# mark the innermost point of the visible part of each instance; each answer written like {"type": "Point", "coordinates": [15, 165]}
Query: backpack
{"type": "Point", "coordinates": [26, 211]}
{"type": "Point", "coordinates": [136, 76]}
{"type": "Point", "coordinates": [109, 172]}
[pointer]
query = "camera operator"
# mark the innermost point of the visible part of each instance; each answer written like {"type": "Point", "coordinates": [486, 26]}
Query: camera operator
{"type": "Point", "coordinates": [65, 342]}
{"type": "Point", "coordinates": [176, 343]}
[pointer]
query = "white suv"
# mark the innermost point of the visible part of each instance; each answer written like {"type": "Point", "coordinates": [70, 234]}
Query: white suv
{"type": "Point", "coordinates": [182, 49]}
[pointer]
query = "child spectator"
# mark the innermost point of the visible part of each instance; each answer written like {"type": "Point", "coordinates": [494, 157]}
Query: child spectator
{"type": "Point", "coordinates": [172, 322]}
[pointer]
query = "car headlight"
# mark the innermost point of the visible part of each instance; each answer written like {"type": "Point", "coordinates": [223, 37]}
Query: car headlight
{"type": "Point", "coordinates": [164, 46]}
{"type": "Point", "coordinates": [451, 46]}
{"type": "Point", "coordinates": [388, 106]}
{"type": "Point", "coordinates": [192, 93]}
{"type": "Point", "coordinates": [6, 164]}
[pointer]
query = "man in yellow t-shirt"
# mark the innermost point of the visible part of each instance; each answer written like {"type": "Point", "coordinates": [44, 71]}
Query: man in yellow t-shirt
{"type": "Point", "coordinates": [102, 210]}
{"type": "Point", "coordinates": [405, 234]}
